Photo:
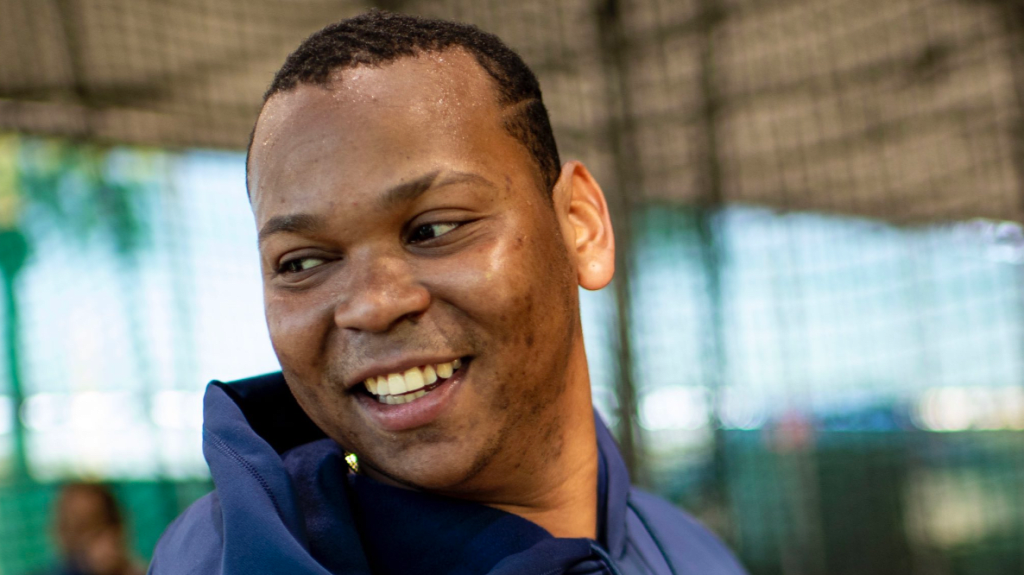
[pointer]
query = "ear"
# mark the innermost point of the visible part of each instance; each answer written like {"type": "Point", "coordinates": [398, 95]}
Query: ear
{"type": "Point", "coordinates": [586, 226]}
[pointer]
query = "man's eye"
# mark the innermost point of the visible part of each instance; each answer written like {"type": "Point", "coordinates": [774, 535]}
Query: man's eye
{"type": "Point", "coordinates": [300, 265]}
{"type": "Point", "coordinates": [430, 231]}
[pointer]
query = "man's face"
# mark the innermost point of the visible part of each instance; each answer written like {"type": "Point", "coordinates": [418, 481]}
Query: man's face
{"type": "Point", "coordinates": [402, 228]}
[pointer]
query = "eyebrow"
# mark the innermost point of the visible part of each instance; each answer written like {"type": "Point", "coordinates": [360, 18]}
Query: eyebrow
{"type": "Point", "coordinates": [399, 194]}
{"type": "Point", "coordinates": [291, 223]}
{"type": "Point", "coordinates": [408, 191]}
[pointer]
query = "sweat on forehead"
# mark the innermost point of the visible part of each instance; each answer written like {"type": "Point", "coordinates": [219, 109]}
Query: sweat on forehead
{"type": "Point", "coordinates": [385, 117]}
{"type": "Point", "coordinates": [378, 38]}
{"type": "Point", "coordinates": [454, 74]}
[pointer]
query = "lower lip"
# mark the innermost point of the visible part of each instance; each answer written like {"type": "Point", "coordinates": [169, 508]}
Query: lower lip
{"type": "Point", "coordinates": [418, 412]}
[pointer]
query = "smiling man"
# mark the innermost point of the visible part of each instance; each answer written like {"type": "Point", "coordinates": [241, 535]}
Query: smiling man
{"type": "Point", "coordinates": [421, 248]}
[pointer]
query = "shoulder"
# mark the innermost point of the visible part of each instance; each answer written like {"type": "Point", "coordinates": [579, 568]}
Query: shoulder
{"type": "Point", "coordinates": [686, 544]}
{"type": "Point", "coordinates": [193, 543]}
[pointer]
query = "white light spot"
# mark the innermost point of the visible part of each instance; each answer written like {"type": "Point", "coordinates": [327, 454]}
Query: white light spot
{"type": "Point", "coordinates": [675, 408]}
{"type": "Point", "coordinates": [44, 411]}
{"type": "Point", "coordinates": [742, 410]}
{"type": "Point", "coordinates": [174, 409]}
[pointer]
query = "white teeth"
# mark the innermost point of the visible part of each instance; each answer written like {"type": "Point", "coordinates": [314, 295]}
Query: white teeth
{"type": "Point", "coordinates": [396, 384]}
{"type": "Point", "coordinates": [399, 388]}
{"type": "Point", "coordinates": [413, 379]}
{"type": "Point", "coordinates": [429, 375]}
{"type": "Point", "coordinates": [444, 370]}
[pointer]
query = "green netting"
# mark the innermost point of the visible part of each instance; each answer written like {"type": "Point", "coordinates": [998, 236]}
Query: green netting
{"type": "Point", "coordinates": [149, 506]}
{"type": "Point", "coordinates": [815, 342]}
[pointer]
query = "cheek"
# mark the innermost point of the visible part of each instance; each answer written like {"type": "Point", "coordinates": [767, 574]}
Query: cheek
{"type": "Point", "coordinates": [517, 291]}
{"type": "Point", "coordinates": [488, 285]}
{"type": "Point", "coordinates": [298, 324]}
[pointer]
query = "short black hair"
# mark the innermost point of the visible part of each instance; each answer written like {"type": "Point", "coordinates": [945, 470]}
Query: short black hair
{"type": "Point", "coordinates": [109, 510]}
{"type": "Point", "coordinates": [379, 37]}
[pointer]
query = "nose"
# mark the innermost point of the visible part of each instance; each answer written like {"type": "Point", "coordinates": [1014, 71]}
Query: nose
{"type": "Point", "coordinates": [382, 292]}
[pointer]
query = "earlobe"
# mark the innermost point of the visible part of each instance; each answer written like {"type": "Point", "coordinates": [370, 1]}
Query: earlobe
{"type": "Point", "coordinates": [586, 225]}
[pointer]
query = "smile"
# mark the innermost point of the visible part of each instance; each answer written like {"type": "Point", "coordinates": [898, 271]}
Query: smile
{"type": "Point", "coordinates": [410, 385]}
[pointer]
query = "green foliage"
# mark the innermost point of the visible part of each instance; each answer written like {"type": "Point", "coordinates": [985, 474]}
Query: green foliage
{"type": "Point", "coordinates": [87, 191]}
{"type": "Point", "coordinates": [13, 252]}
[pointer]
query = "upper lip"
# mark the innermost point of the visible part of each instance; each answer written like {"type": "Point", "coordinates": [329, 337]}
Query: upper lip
{"type": "Point", "coordinates": [398, 366]}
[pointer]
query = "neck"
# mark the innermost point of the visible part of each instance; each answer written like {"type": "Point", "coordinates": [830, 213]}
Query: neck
{"type": "Point", "coordinates": [567, 505]}
{"type": "Point", "coordinates": [558, 489]}
{"type": "Point", "coordinates": [559, 495]}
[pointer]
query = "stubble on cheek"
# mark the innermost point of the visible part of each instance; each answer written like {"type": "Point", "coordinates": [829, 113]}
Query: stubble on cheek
{"type": "Point", "coordinates": [530, 394]}
{"type": "Point", "coordinates": [299, 325]}
{"type": "Point", "coordinates": [301, 330]}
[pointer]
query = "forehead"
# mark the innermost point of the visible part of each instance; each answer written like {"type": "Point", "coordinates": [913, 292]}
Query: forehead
{"type": "Point", "coordinates": [374, 126]}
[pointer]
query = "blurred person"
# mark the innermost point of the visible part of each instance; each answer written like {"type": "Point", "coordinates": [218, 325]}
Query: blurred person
{"type": "Point", "coordinates": [90, 533]}
{"type": "Point", "coordinates": [422, 247]}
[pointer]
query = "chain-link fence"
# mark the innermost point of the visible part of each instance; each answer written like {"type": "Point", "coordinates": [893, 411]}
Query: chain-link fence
{"type": "Point", "coordinates": [815, 341]}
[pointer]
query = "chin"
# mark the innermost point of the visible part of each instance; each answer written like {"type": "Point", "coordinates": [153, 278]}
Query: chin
{"type": "Point", "coordinates": [452, 471]}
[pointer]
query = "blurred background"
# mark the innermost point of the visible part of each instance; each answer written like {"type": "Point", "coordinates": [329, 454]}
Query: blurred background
{"type": "Point", "coordinates": [815, 341]}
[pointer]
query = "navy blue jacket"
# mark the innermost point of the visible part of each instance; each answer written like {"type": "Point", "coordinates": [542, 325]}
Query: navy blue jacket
{"type": "Point", "coordinates": [285, 503]}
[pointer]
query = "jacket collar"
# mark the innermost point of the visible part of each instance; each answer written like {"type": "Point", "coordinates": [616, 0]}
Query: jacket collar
{"type": "Point", "coordinates": [613, 492]}
{"type": "Point", "coordinates": [273, 414]}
